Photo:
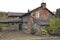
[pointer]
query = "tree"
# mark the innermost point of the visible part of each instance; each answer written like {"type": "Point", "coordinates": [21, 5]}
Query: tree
{"type": "Point", "coordinates": [58, 12]}
{"type": "Point", "coordinates": [54, 28]}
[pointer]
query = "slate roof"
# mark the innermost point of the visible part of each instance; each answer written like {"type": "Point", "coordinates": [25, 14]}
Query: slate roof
{"type": "Point", "coordinates": [10, 21]}
{"type": "Point", "coordinates": [28, 13]}
{"type": "Point", "coordinates": [15, 14]}
{"type": "Point", "coordinates": [37, 9]}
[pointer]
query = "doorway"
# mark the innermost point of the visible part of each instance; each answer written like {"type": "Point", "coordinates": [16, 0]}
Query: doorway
{"type": "Point", "coordinates": [20, 26]}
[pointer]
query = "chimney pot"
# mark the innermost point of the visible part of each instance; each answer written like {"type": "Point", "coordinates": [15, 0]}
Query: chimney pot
{"type": "Point", "coordinates": [43, 5]}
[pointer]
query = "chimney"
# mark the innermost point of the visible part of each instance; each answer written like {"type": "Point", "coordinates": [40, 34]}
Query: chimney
{"type": "Point", "coordinates": [28, 10]}
{"type": "Point", "coordinates": [43, 5]}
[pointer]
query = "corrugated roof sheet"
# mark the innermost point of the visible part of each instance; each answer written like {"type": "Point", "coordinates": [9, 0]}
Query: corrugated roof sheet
{"type": "Point", "coordinates": [15, 14]}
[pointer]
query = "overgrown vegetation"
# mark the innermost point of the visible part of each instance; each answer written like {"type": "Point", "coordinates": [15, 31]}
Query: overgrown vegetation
{"type": "Point", "coordinates": [43, 32]}
{"type": "Point", "coordinates": [33, 31]}
{"type": "Point", "coordinates": [2, 17]}
{"type": "Point", "coordinates": [54, 28]}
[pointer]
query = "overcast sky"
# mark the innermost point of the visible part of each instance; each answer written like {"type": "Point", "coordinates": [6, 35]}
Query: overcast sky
{"type": "Point", "coordinates": [24, 5]}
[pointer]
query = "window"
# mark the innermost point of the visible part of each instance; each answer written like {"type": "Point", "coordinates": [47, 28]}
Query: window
{"type": "Point", "coordinates": [37, 14]}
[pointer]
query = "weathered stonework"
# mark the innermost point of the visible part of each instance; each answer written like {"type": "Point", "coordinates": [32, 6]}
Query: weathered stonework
{"type": "Point", "coordinates": [39, 23]}
{"type": "Point", "coordinates": [38, 18]}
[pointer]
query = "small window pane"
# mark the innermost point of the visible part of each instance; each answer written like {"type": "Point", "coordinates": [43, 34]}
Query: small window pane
{"type": "Point", "coordinates": [37, 14]}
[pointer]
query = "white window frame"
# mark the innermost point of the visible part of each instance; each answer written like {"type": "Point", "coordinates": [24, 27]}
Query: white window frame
{"type": "Point", "coordinates": [37, 14]}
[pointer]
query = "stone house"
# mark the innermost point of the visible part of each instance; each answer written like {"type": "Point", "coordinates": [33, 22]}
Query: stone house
{"type": "Point", "coordinates": [12, 19]}
{"type": "Point", "coordinates": [39, 18]}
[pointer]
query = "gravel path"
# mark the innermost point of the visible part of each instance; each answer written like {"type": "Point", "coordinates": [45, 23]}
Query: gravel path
{"type": "Point", "coordinates": [17, 35]}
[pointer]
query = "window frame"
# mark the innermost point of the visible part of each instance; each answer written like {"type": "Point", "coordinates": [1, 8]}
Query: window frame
{"type": "Point", "coordinates": [37, 14]}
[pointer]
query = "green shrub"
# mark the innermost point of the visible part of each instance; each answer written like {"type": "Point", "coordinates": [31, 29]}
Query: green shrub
{"type": "Point", "coordinates": [43, 32]}
{"type": "Point", "coordinates": [3, 17]}
{"type": "Point", "coordinates": [54, 28]}
{"type": "Point", "coordinates": [3, 25]}
{"type": "Point", "coordinates": [33, 31]}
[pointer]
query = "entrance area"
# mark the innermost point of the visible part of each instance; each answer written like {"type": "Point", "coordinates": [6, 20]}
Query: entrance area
{"type": "Point", "coordinates": [20, 26]}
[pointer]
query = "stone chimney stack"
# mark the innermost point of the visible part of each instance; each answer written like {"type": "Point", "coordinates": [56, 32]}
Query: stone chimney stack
{"type": "Point", "coordinates": [28, 10]}
{"type": "Point", "coordinates": [43, 5]}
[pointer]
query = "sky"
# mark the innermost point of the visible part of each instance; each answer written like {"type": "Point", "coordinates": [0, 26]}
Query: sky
{"type": "Point", "coordinates": [24, 5]}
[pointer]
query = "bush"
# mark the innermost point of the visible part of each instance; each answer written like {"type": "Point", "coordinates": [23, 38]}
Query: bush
{"type": "Point", "coordinates": [54, 28]}
{"type": "Point", "coordinates": [33, 31]}
{"type": "Point", "coordinates": [43, 32]}
{"type": "Point", "coordinates": [3, 25]}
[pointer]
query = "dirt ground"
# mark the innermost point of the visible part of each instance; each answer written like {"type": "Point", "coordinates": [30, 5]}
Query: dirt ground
{"type": "Point", "coordinates": [18, 35]}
